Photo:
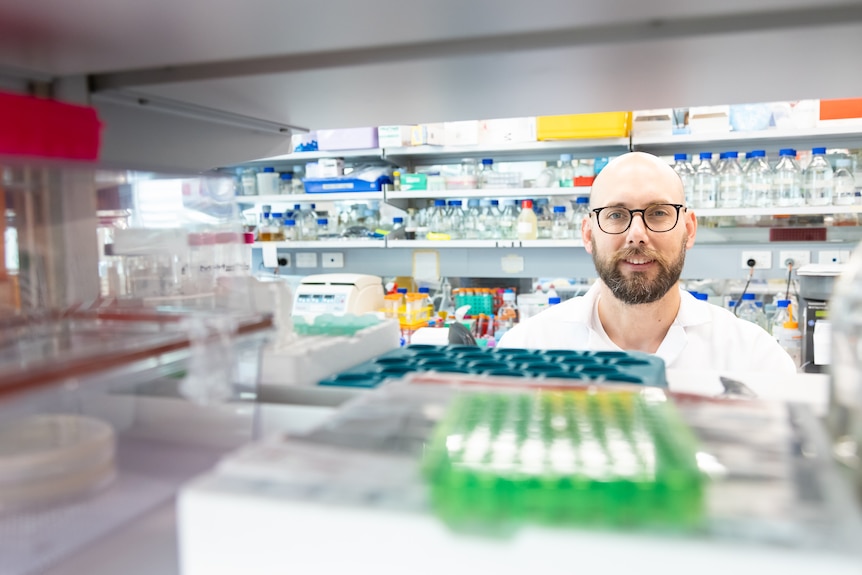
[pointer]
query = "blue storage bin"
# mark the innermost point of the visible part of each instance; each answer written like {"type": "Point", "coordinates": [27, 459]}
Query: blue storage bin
{"type": "Point", "coordinates": [345, 184]}
{"type": "Point", "coordinates": [605, 366]}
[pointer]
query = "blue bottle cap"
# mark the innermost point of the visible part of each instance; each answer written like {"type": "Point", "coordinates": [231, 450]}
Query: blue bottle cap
{"type": "Point", "coordinates": [402, 290]}
{"type": "Point", "coordinates": [439, 202]}
{"type": "Point", "coordinates": [566, 157]}
{"type": "Point", "coordinates": [457, 203]}
{"type": "Point", "coordinates": [787, 152]}
{"type": "Point", "coordinates": [277, 215]}
{"type": "Point", "coordinates": [747, 296]}
{"type": "Point", "coordinates": [322, 221]}
{"type": "Point", "coordinates": [559, 209]}
{"type": "Point", "coordinates": [706, 155]}
{"type": "Point", "coordinates": [286, 176]}
{"type": "Point", "coordinates": [582, 200]}
{"type": "Point", "coordinates": [487, 161]}
{"type": "Point", "coordinates": [268, 170]}
{"type": "Point", "coordinates": [395, 220]}
{"type": "Point", "coordinates": [782, 303]}
{"type": "Point", "coordinates": [749, 155]}
{"type": "Point", "coordinates": [495, 202]}
{"type": "Point", "coordinates": [732, 154]}
{"type": "Point", "coordinates": [424, 290]}
{"type": "Point", "coordinates": [553, 300]}
{"type": "Point", "coordinates": [758, 153]}
{"type": "Point", "coordinates": [290, 222]}
{"type": "Point", "coordinates": [680, 157]}
{"type": "Point", "coordinates": [820, 151]}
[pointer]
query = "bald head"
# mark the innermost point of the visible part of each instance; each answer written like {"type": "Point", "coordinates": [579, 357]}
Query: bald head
{"type": "Point", "coordinates": [636, 178]}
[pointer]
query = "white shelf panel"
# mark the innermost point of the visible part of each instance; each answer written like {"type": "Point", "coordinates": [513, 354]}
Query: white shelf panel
{"type": "Point", "coordinates": [325, 244]}
{"type": "Point", "coordinates": [520, 150]}
{"type": "Point", "coordinates": [505, 244]}
{"type": "Point", "coordinates": [787, 211]}
{"type": "Point", "coordinates": [311, 198]}
{"type": "Point", "coordinates": [302, 157]}
{"type": "Point", "coordinates": [831, 136]}
{"type": "Point", "coordinates": [525, 193]}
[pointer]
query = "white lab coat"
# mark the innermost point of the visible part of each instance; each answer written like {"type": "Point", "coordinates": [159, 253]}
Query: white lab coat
{"type": "Point", "coordinates": [702, 337]}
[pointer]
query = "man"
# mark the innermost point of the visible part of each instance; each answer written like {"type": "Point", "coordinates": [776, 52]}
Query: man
{"type": "Point", "coordinates": [638, 232]}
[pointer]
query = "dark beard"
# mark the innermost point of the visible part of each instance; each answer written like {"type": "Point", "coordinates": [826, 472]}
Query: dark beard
{"type": "Point", "coordinates": [637, 288]}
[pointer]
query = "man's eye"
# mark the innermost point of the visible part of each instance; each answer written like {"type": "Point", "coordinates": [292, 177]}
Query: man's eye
{"type": "Point", "coordinates": [658, 213]}
{"type": "Point", "coordinates": [615, 214]}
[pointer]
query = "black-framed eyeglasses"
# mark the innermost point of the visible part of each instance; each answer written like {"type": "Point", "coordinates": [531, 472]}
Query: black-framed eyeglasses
{"type": "Point", "coordinates": [656, 217]}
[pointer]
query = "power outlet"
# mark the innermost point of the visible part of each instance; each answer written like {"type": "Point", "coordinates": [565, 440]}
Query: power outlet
{"type": "Point", "coordinates": [797, 257]}
{"type": "Point", "coordinates": [762, 260]}
{"type": "Point", "coordinates": [833, 256]}
{"type": "Point", "coordinates": [332, 260]}
{"type": "Point", "coordinates": [306, 260]}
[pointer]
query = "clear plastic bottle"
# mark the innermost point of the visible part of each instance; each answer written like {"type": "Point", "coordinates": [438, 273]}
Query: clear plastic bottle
{"type": "Point", "coordinates": [685, 171]}
{"type": "Point", "coordinates": [544, 218]}
{"type": "Point", "coordinates": [323, 231]}
{"type": "Point", "coordinates": [298, 186]}
{"type": "Point", "coordinates": [781, 316]}
{"type": "Point", "coordinates": [565, 171]}
{"type": "Point", "coordinates": [472, 220]}
{"type": "Point", "coordinates": [581, 210]}
{"type": "Point", "coordinates": [758, 182]}
{"type": "Point", "coordinates": [844, 184]}
{"type": "Point", "coordinates": [817, 179]}
{"type": "Point", "coordinates": [844, 192]}
{"type": "Point", "coordinates": [249, 182]}
{"type": "Point", "coordinates": [749, 311]}
{"type": "Point", "coordinates": [705, 182]}
{"type": "Point", "coordinates": [267, 182]}
{"type": "Point", "coordinates": [285, 183]}
{"type": "Point", "coordinates": [291, 231]}
{"type": "Point", "coordinates": [548, 177]}
{"type": "Point", "coordinates": [486, 174]}
{"type": "Point", "coordinates": [507, 314]}
{"type": "Point", "coordinates": [455, 217]}
{"type": "Point", "coordinates": [731, 182]}
{"type": "Point", "coordinates": [308, 223]}
{"type": "Point", "coordinates": [508, 220]}
{"type": "Point", "coordinates": [437, 218]}
{"type": "Point", "coordinates": [527, 222]}
{"type": "Point", "coordinates": [560, 230]}
{"type": "Point", "coordinates": [787, 180]}
{"type": "Point", "coordinates": [788, 334]}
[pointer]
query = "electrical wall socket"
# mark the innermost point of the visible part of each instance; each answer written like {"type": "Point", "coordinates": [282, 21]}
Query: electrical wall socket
{"type": "Point", "coordinates": [332, 260]}
{"type": "Point", "coordinates": [762, 260]}
{"type": "Point", "coordinates": [833, 256]}
{"type": "Point", "coordinates": [799, 258]}
{"type": "Point", "coordinates": [306, 260]}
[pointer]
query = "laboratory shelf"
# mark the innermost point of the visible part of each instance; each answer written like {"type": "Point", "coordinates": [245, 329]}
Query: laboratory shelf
{"type": "Point", "coordinates": [369, 154]}
{"type": "Point", "coordinates": [525, 193]}
{"type": "Point", "coordinates": [311, 198]}
{"type": "Point", "coordinates": [443, 244]}
{"type": "Point", "coordinates": [323, 244]}
{"type": "Point", "coordinates": [777, 211]}
{"type": "Point", "coordinates": [521, 151]}
{"type": "Point", "coordinates": [831, 136]}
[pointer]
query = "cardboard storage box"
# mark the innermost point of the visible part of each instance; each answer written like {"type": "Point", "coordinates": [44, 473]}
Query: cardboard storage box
{"type": "Point", "coordinates": [584, 126]}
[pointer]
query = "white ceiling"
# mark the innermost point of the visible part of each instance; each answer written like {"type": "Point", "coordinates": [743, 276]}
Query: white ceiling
{"type": "Point", "coordinates": [342, 63]}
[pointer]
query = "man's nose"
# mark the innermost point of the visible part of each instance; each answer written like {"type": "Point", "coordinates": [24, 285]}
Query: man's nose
{"type": "Point", "coordinates": [637, 232]}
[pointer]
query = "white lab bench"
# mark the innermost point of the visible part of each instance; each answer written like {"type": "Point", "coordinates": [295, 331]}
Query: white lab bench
{"type": "Point", "coordinates": [281, 532]}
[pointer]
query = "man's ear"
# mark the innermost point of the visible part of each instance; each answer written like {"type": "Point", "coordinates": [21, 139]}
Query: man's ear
{"type": "Point", "coordinates": [690, 228]}
{"type": "Point", "coordinates": [587, 234]}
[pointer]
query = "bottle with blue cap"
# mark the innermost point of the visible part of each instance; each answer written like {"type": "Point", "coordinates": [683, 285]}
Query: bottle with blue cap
{"type": "Point", "coordinates": [267, 182]}
{"type": "Point", "coordinates": [705, 182]}
{"type": "Point", "coordinates": [508, 220]}
{"type": "Point", "coordinates": [758, 182]}
{"type": "Point", "coordinates": [817, 179]}
{"type": "Point", "coordinates": [560, 229]}
{"type": "Point", "coordinates": [565, 171]}
{"type": "Point", "coordinates": [472, 220]}
{"type": "Point", "coordinates": [437, 218]}
{"type": "Point", "coordinates": [730, 181]}
{"type": "Point", "coordinates": [486, 173]}
{"type": "Point", "coordinates": [749, 311]}
{"type": "Point", "coordinates": [685, 171]}
{"type": "Point", "coordinates": [787, 180]}
{"type": "Point", "coordinates": [580, 212]}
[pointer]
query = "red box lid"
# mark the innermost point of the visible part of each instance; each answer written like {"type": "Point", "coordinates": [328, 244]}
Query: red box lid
{"type": "Point", "coordinates": [42, 128]}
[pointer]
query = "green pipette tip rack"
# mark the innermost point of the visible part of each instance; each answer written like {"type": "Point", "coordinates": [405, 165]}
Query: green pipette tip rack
{"type": "Point", "coordinates": [575, 457]}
